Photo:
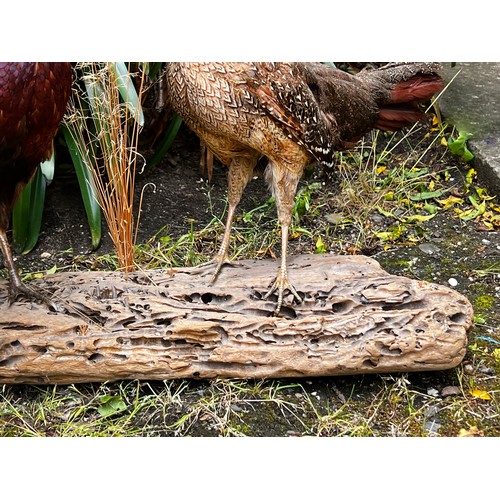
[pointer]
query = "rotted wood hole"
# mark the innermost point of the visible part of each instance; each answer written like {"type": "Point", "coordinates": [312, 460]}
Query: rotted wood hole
{"type": "Point", "coordinates": [173, 323]}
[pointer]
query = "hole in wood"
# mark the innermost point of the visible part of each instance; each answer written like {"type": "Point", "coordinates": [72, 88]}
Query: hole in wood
{"type": "Point", "coordinates": [163, 322]}
{"type": "Point", "coordinates": [16, 343]}
{"type": "Point", "coordinates": [343, 307]}
{"type": "Point", "coordinates": [96, 357]}
{"type": "Point", "coordinates": [459, 318]}
{"type": "Point", "coordinates": [40, 349]}
{"type": "Point", "coordinates": [409, 306]}
{"type": "Point", "coordinates": [287, 312]}
{"type": "Point", "coordinates": [13, 360]}
{"type": "Point", "coordinates": [207, 298]}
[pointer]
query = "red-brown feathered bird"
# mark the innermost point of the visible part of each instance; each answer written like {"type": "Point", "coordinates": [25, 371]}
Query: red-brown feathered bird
{"type": "Point", "coordinates": [33, 99]}
{"type": "Point", "coordinates": [294, 114]}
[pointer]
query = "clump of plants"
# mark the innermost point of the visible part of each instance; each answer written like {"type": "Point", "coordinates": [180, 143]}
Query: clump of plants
{"type": "Point", "coordinates": [102, 133]}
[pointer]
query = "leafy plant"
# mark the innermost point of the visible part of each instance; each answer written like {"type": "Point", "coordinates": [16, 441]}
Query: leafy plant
{"type": "Point", "coordinates": [103, 135]}
{"type": "Point", "coordinates": [27, 214]}
{"type": "Point", "coordinates": [458, 146]}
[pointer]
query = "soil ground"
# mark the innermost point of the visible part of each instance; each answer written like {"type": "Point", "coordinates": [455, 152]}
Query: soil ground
{"type": "Point", "coordinates": [415, 404]}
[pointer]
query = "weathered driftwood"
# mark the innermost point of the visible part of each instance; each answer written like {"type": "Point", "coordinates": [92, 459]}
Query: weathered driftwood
{"type": "Point", "coordinates": [355, 318]}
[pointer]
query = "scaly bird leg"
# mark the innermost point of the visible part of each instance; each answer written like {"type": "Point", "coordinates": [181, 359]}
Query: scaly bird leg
{"type": "Point", "coordinates": [240, 172]}
{"type": "Point", "coordinates": [281, 282]}
{"type": "Point", "coordinates": [16, 287]}
{"type": "Point", "coordinates": [283, 180]}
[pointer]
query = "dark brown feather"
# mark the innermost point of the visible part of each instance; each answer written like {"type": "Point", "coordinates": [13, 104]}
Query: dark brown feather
{"type": "Point", "coordinates": [33, 99]}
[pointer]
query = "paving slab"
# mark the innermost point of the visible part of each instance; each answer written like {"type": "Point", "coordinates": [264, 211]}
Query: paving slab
{"type": "Point", "coordinates": [472, 104]}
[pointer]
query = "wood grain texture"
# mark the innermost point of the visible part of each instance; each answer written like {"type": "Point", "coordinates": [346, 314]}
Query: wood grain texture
{"type": "Point", "coordinates": [355, 318]}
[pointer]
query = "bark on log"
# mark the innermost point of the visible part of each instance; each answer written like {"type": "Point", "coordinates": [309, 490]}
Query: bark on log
{"type": "Point", "coordinates": [355, 318]}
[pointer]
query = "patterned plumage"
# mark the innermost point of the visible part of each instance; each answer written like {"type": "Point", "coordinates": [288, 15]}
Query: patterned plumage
{"type": "Point", "coordinates": [294, 115]}
{"type": "Point", "coordinates": [33, 99]}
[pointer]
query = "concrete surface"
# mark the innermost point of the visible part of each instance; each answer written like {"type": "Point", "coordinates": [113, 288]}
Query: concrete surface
{"type": "Point", "coordinates": [472, 104]}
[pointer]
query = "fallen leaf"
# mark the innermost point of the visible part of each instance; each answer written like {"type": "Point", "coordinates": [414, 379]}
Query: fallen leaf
{"type": "Point", "coordinates": [472, 432]}
{"type": "Point", "coordinates": [478, 393]}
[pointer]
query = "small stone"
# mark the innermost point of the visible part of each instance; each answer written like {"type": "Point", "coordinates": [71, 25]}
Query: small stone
{"type": "Point", "coordinates": [432, 392]}
{"type": "Point", "coordinates": [450, 390]}
{"type": "Point", "coordinates": [428, 248]}
{"type": "Point", "coordinates": [452, 282]}
{"type": "Point", "coordinates": [486, 370]}
{"type": "Point", "coordinates": [468, 368]}
{"type": "Point", "coordinates": [334, 218]}
{"type": "Point", "coordinates": [45, 255]}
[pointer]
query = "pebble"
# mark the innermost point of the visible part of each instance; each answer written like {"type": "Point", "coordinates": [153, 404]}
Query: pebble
{"type": "Point", "coordinates": [45, 255]}
{"type": "Point", "coordinates": [486, 370]}
{"type": "Point", "coordinates": [450, 390]}
{"type": "Point", "coordinates": [432, 392]}
{"type": "Point", "coordinates": [468, 368]}
{"type": "Point", "coordinates": [452, 282]}
{"type": "Point", "coordinates": [428, 248]}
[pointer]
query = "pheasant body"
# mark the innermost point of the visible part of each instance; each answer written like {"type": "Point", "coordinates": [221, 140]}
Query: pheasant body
{"type": "Point", "coordinates": [294, 115]}
{"type": "Point", "coordinates": [33, 99]}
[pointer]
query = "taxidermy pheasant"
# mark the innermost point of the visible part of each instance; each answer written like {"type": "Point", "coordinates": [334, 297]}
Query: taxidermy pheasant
{"type": "Point", "coordinates": [33, 99]}
{"type": "Point", "coordinates": [294, 115]}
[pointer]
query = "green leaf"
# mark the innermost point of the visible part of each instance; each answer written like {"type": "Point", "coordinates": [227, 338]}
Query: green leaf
{"type": "Point", "coordinates": [428, 195]}
{"type": "Point", "coordinates": [110, 405]}
{"type": "Point", "coordinates": [152, 69]}
{"type": "Point", "coordinates": [320, 246]}
{"type": "Point", "coordinates": [432, 209]}
{"type": "Point", "coordinates": [459, 146]}
{"type": "Point", "coordinates": [86, 183]}
{"type": "Point", "coordinates": [27, 214]}
{"type": "Point", "coordinates": [127, 90]}
{"type": "Point", "coordinates": [415, 173]}
{"type": "Point", "coordinates": [385, 213]}
{"type": "Point", "coordinates": [167, 140]}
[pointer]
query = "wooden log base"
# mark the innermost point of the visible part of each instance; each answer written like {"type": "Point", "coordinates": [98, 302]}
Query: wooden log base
{"type": "Point", "coordinates": [355, 318]}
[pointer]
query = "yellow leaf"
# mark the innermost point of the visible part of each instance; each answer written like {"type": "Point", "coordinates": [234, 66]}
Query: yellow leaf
{"type": "Point", "coordinates": [419, 218]}
{"type": "Point", "coordinates": [471, 175]}
{"type": "Point", "coordinates": [450, 201]}
{"type": "Point", "coordinates": [478, 393]}
{"type": "Point", "coordinates": [381, 169]}
{"type": "Point", "coordinates": [444, 142]}
{"type": "Point", "coordinates": [472, 432]}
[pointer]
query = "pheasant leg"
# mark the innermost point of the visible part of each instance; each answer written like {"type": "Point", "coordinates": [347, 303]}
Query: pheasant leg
{"type": "Point", "coordinates": [283, 181]}
{"type": "Point", "coordinates": [281, 282]}
{"type": "Point", "coordinates": [240, 172]}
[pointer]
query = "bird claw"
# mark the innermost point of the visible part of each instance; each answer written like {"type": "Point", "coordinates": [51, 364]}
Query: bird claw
{"type": "Point", "coordinates": [218, 261]}
{"type": "Point", "coordinates": [22, 290]}
{"type": "Point", "coordinates": [282, 284]}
